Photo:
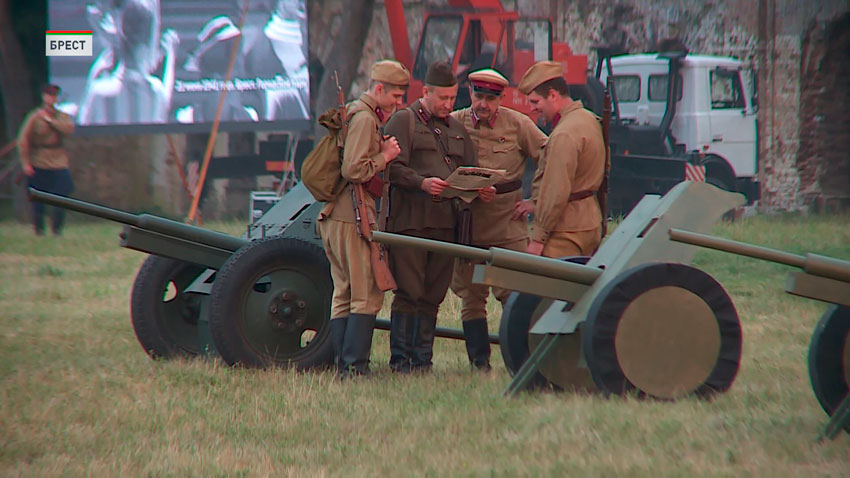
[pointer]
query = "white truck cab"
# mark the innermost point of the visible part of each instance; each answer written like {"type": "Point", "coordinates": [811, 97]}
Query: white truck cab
{"type": "Point", "coordinates": [715, 112]}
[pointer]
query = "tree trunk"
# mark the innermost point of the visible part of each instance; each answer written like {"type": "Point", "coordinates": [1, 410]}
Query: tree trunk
{"type": "Point", "coordinates": [344, 58]}
{"type": "Point", "coordinates": [16, 90]}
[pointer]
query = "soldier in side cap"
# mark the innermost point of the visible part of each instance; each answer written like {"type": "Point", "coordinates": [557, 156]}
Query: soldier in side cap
{"type": "Point", "coordinates": [567, 217]}
{"type": "Point", "coordinates": [432, 145]}
{"type": "Point", "coordinates": [504, 139]}
{"type": "Point", "coordinates": [357, 298]}
{"type": "Point", "coordinates": [43, 158]}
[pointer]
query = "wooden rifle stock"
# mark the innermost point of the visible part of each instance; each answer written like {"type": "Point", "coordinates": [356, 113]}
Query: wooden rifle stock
{"type": "Point", "coordinates": [366, 222]}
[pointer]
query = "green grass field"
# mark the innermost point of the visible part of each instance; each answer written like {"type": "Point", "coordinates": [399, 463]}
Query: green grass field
{"type": "Point", "coordinates": [79, 397]}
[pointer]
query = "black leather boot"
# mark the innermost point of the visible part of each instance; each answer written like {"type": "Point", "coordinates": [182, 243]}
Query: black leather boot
{"type": "Point", "coordinates": [358, 344]}
{"type": "Point", "coordinates": [337, 337]}
{"type": "Point", "coordinates": [401, 341]}
{"type": "Point", "coordinates": [423, 344]}
{"type": "Point", "coordinates": [477, 343]}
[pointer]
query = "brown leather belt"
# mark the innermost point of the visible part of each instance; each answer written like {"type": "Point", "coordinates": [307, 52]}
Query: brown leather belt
{"type": "Point", "coordinates": [508, 187]}
{"type": "Point", "coordinates": [581, 195]}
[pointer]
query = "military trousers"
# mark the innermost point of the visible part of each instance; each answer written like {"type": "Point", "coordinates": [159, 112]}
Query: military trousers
{"type": "Point", "coordinates": [579, 243]}
{"type": "Point", "coordinates": [355, 290]}
{"type": "Point", "coordinates": [422, 277]}
{"type": "Point", "coordinates": [474, 296]}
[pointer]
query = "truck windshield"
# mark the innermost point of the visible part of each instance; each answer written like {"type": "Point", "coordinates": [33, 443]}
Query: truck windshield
{"type": "Point", "coordinates": [439, 41]}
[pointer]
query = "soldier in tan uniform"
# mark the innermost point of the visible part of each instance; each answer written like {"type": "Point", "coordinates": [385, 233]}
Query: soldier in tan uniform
{"type": "Point", "coordinates": [357, 298]}
{"type": "Point", "coordinates": [567, 218]}
{"type": "Point", "coordinates": [43, 158]}
{"type": "Point", "coordinates": [433, 144]}
{"type": "Point", "coordinates": [504, 138]}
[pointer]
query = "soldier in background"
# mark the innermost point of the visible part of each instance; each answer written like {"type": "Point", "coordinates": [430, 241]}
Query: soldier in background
{"type": "Point", "coordinates": [432, 145]}
{"type": "Point", "coordinates": [567, 217]}
{"type": "Point", "coordinates": [43, 157]}
{"type": "Point", "coordinates": [357, 298]}
{"type": "Point", "coordinates": [504, 138]}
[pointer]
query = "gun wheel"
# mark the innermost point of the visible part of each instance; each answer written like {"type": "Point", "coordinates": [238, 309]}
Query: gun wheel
{"type": "Point", "coordinates": [665, 331]}
{"type": "Point", "coordinates": [164, 315]}
{"type": "Point", "coordinates": [270, 305]}
{"type": "Point", "coordinates": [829, 358]}
{"type": "Point", "coordinates": [519, 314]}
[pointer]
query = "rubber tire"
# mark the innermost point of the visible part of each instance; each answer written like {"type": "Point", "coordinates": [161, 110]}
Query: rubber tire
{"type": "Point", "coordinates": [829, 338]}
{"type": "Point", "coordinates": [599, 332]}
{"type": "Point", "coordinates": [237, 277]}
{"type": "Point", "coordinates": [147, 311]}
{"type": "Point", "coordinates": [514, 327]}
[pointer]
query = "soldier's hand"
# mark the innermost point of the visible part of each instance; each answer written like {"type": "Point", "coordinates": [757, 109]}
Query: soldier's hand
{"type": "Point", "coordinates": [434, 186]}
{"type": "Point", "coordinates": [487, 194]}
{"type": "Point", "coordinates": [390, 148]}
{"type": "Point", "coordinates": [28, 170]}
{"type": "Point", "coordinates": [535, 248]}
{"type": "Point", "coordinates": [523, 209]}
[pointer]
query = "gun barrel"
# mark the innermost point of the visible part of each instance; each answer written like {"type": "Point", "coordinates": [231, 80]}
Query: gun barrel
{"type": "Point", "coordinates": [143, 221]}
{"type": "Point", "coordinates": [735, 247]}
{"type": "Point", "coordinates": [812, 263]}
{"type": "Point", "coordinates": [507, 259]}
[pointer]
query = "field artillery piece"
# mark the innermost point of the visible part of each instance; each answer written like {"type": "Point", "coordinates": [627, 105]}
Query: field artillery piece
{"type": "Point", "coordinates": [822, 278]}
{"type": "Point", "coordinates": [634, 319]}
{"type": "Point", "coordinates": [257, 300]}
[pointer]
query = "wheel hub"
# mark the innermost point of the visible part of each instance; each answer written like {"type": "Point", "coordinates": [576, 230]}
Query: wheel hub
{"type": "Point", "coordinates": [287, 311]}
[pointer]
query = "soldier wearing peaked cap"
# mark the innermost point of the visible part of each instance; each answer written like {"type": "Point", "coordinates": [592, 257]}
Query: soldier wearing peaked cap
{"type": "Point", "coordinates": [432, 145]}
{"type": "Point", "coordinates": [567, 217]}
{"type": "Point", "coordinates": [356, 297]}
{"type": "Point", "coordinates": [504, 138]}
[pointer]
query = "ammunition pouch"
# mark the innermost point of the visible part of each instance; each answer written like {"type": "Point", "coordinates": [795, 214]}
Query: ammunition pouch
{"type": "Point", "coordinates": [374, 186]}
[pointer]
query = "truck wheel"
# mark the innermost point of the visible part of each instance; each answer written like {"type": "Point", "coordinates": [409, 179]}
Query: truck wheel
{"type": "Point", "coordinates": [270, 305]}
{"type": "Point", "coordinates": [164, 315]}
{"type": "Point", "coordinates": [718, 173]}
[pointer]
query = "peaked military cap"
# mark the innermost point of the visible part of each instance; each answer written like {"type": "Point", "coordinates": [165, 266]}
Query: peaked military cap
{"type": "Point", "coordinates": [391, 72]}
{"type": "Point", "coordinates": [539, 73]}
{"type": "Point", "coordinates": [440, 74]}
{"type": "Point", "coordinates": [488, 82]}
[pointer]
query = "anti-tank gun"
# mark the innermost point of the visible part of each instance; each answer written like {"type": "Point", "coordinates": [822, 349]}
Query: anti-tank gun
{"type": "Point", "coordinates": [262, 299]}
{"type": "Point", "coordinates": [822, 278]}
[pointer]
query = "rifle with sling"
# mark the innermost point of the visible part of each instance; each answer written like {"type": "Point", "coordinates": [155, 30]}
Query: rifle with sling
{"type": "Point", "coordinates": [366, 221]}
{"type": "Point", "coordinates": [602, 194]}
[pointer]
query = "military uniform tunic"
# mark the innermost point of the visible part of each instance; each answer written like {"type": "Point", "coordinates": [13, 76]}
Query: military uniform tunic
{"type": "Point", "coordinates": [502, 143]}
{"type": "Point", "coordinates": [422, 277]}
{"type": "Point", "coordinates": [573, 162]}
{"type": "Point", "coordinates": [355, 290]}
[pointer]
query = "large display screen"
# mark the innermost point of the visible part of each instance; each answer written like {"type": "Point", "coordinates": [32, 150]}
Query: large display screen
{"type": "Point", "coordinates": [161, 65]}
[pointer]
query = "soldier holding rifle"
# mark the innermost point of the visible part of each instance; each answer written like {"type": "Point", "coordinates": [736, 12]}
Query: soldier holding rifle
{"type": "Point", "coordinates": [344, 223]}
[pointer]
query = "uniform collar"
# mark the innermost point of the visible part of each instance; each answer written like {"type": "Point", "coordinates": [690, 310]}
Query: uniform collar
{"type": "Point", "coordinates": [574, 105]}
{"type": "Point", "coordinates": [425, 115]}
{"type": "Point", "coordinates": [370, 101]}
{"type": "Point", "coordinates": [476, 119]}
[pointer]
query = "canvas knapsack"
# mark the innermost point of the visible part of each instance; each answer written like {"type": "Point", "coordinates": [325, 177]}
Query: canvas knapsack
{"type": "Point", "coordinates": [321, 170]}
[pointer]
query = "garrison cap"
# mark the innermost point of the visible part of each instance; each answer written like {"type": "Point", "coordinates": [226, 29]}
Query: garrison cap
{"type": "Point", "coordinates": [488, 82]}
{"type": "Point", "coordinates": [391, 72]}
{"type": "Point", "coordinates": [539, 73]}
{"type": "Point", "coordinates": [440, 74]}
{"type": "Point", "coordinates": [51, 90]}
